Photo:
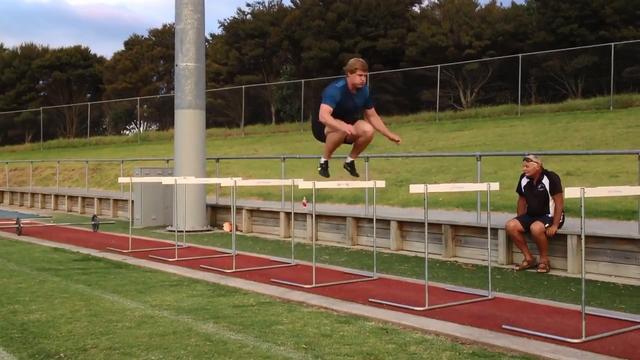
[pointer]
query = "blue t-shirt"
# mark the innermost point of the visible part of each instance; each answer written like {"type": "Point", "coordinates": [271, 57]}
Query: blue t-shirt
{"type": "Point", "coordinates": [346, 105]}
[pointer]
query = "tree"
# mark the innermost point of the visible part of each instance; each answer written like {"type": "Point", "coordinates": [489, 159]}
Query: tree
{"type": "Point", "coordinates": [143, 68]}
{"type": "Point", "coordinates": [67, 76]}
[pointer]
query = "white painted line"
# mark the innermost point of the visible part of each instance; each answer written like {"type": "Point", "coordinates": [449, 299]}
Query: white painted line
{"type": "Point", "coordinates": [342, 184]}
{"type": "Point", "coordinates": [453, 187]}
{"type": "Point", "coordinates": [207, 327]}
{"type": "Point", "coordinates": [5, 355]}
{"type": "Point", "coordinates": [602, 191]}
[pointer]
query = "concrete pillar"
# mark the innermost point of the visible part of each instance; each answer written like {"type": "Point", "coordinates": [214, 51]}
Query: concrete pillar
{"type": "Point", "coordinates": [352, 231]}
{"type": "Point", "coordinates": [448, 241]}
{"type": "Point", "coordinates": [189, 116]}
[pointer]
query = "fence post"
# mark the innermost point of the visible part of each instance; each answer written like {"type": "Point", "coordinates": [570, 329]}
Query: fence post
{"type": "Point", "coordinates": [121, 174]}
{"type": "Point", "coordinates": [86, 176]}
{"type": "Point", "coordinates": [41, 131]}
{"type": "Point", "coordinates": [6, 173]}
{"type": "Point", "coordinates": [519, 83]}
{"type": "Point", "coordinates": [282, 172]}
{"type": "Point", "coordinates": [302, 106]}
{"type": "Point", "coordinates": [638, 198]}
{"type": "Point", "coordinates": [242, 118]}
{"type": "Point", "coordinates": [217, 175]}
{"type": "Point", "coordinates": [478, 178]}
{"type": "Point", "coordinates": [438, 97]}
{"type": "Point", "coordinates": [366, 190]}
{"type": "Point", "coordinates": [58, 176]}
{"type": "Point", "coordinates": [30, 176]}
{"type": "Point", "coordinates": [612, 63]}
{"type": "Point", "coordinates": [138, 118]}
{"type": "Point", "coordinates": [88, 120]}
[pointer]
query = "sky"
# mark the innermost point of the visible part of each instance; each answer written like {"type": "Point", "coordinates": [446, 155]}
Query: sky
{"type": "Point", "coordinates": [102, 25]}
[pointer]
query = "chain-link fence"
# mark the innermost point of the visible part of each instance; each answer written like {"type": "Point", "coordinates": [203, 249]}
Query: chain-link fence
{"type": "Point", "coordinates": [547, 77]}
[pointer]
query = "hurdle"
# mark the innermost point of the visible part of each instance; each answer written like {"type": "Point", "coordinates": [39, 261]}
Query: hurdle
{"type": "Point", "coordinates": [19, 225]}
{"type": "Point", "coordinates": [582, 193]}
{"type": "Point", "coordinates": [313, 185]}
{"type": "Point", "coordinates": [184, 181]}
{"type": "Point", "coordinates": [138, 180]}
{"type": "Point", "coordinates": [439, 188]}
{"type": "Point", "coordinates": [234, 184]}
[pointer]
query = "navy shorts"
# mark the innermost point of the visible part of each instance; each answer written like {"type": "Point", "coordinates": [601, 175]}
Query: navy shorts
{"type": "Point", "coordinates": [318, 132]}
{"type": "Point", "coordinates": [527, 220]}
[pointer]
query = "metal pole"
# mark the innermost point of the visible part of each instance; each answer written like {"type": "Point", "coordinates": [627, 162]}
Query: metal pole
{"type": "Point", "coordinates": [375, 262]}
{"type": "Point", "coordinates": [489, 236]}
{"type": "Point", "coordinates": [478, 177]}
{"type": "Point", "coordinates": [217, 175]}
{"type": "Point", "coordinates": [519, 83]}
{"type": "Point", "coordinates": [88, 120]}
{"type": "Point", "coordinates": [583, 274]}
{"type": "Point", "coordinates": [638, 198]}
{"type": "Point", "coordinates": [233, 219]}
{"type": "Point", "coordinates": [122, 175]}
{"type": "Point", "coordinates": [366, 190]}
{"type": "Point", "coordinates": [242, 118]}
{"type": "Point", "coordinates": [138, 119]}
{"type": "Point", "coordinates": [86, 176]}
{"type": "Point", "coordinates": [438, 96]}
{"type": "Point", "coordinates": [425, 213]}
{"type": "Point", "coordinates": [313, 231]}
{"type": "Point", "coordinates": [58, 176]}
{"type": "Point", "coordinates": [612, 65]}
{"type": "Point", "coordinates": [293, 221]}
{"type": "Point", "coordinates": [41, 131]}
{"type": "Point", "coordinates": [282, 172]}
{"type": "Point", "coordinates": [30, 175]}
{"type": "Point", "coordinates": [6, 173]}
{"type": "Point", "coordinates": [301, 105]}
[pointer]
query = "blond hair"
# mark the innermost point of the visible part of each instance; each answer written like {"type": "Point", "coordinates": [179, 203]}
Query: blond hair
{"type": "Point", "coordinates": [355, 64]}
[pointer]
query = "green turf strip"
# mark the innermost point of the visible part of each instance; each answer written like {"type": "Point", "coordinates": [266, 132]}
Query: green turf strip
{"type": "Point", "coordinates": [57, 304]}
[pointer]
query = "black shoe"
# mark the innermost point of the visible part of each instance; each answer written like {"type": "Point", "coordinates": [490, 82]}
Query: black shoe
{"type": "Point", "coordinates": [351, 168]}
{"type": "Point", "coordinates": [323, 169]}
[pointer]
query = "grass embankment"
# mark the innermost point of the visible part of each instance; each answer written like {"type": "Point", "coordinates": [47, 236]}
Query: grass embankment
{"type": "Point", "coordinates": [573, 125]}
{"type": "Point", "coordinates": [60, 305]}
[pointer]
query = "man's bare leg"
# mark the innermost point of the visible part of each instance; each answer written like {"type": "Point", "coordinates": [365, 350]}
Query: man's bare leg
{"type": "Point", "coordinates": [539, 235]}
{"type": "Point", "coordinates": [334, 139]}
{"type": "Point", "coordinates": [516, 232]}
{"type": "Point", "coordinates": [362, 138]}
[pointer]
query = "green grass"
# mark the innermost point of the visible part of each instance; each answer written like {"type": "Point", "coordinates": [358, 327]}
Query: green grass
{"type": "Point", "coordinates": [56, 304]}
{"type": "Point", "coordinates": [574, 125]}
{"type": "Point", "coordinates": [601, 294]}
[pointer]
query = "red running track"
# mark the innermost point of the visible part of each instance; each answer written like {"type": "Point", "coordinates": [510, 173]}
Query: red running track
{"type": "Point", "coordinates": [490, 315]}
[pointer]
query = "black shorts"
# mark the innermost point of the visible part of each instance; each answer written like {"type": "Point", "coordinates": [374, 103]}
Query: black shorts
{"type": "Point", "coordinates": [527, 220]}
{"type": "Point", "coordinates": [318, 132]}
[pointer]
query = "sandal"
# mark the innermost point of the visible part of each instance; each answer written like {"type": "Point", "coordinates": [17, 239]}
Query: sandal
{"type": "Point", "coordinates": [526, 264]}
{"type": "Point", "coordinates": [544, 267]}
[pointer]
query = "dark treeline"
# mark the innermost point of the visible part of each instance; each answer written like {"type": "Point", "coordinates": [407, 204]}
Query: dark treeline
{"type": "Point", "coordinates": [268, 41]}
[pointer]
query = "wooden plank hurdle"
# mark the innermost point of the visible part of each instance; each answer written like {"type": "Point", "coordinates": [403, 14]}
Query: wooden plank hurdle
{"type": "Point", "coordinates": [425, 189]}
{"type": "Point", "coordinates": [582, 193]}
{"type": "Point", "coordinates": [234, 184]}
{"type": "Point", "coordinates": [184, 181]}
{"type": "Point", "coordinates": [140, 180]}
{"type": "Point", "coordinates": [313, 185]}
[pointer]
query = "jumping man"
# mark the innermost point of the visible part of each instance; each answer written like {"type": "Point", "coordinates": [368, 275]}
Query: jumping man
{"type": "Point", "coordinates": [341, 121]}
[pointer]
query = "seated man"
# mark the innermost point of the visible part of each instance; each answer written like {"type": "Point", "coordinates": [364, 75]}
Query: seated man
{"type": "Point", "coordinates": [340, 119]}
{"type": "Point", "coordinates": [540, 212]}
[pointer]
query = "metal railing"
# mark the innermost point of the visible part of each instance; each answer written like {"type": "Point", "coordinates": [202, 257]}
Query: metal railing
{"type": "Point", "coordinates": [373, 74]}
{"type": "Point", "coordinates": [478, 156]}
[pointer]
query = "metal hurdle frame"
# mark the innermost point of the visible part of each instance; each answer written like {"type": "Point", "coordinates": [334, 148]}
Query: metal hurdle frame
{"type": "Point", "coordinates": [257, 182]}
{"type": "Point", "coordinates": [184, 181]}
{"type": "Point", "coordinates": [453, 187]}
{"type": "Point", "coordinates": [148, 179]}
{"type": "Point", "coordinates": [582, 193]}
{"type": "Point", "coordinates": [313, 185]}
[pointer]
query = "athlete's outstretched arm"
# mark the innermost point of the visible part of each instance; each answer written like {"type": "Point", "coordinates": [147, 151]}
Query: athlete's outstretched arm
{"type": "Point", "coordinates": [371, 115]}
